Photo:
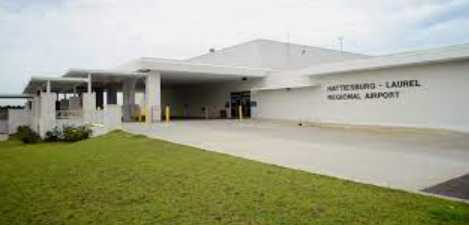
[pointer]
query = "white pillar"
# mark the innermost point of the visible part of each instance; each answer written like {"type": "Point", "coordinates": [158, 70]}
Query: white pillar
{"type": "Point", "coordinates": [35, 113]}
{"type": "Point", "coordinates": [89, 84]}
{"type": "Point", "coordinates": [48, 86]}
{"type": "Point", "coordinates": [129, 107]}
{"type": "Point", "coordinates": [46, 113]}
{"type": "Point", "coordinates": [128, 90]}
{"type": "Point", "coordinates": [153, 97]}
{"type": "Point", "coordinates": [89, 103]}
{"type": "Point", "coordinates": [89, 107]}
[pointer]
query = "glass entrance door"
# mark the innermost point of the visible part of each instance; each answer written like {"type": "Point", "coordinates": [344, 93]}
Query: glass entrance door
{"type": "Point", "coordinates": [241, 98]}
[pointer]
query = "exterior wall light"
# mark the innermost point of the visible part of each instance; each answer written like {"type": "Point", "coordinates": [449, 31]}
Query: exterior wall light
{"type": "Point", "coordinates": [144, 70]}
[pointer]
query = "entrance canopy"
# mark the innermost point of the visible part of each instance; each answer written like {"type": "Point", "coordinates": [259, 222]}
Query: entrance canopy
{"type": "Point", "coordinates": [163, 82]}
{"type": "Point", "coordinates": [172, 72]}
{"type": "Point", "coordinates": [54, 84]}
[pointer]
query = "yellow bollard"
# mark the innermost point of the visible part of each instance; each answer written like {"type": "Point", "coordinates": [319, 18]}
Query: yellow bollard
{"type": "Point", "coordinates": [167, 111]}
{"type": "Point", "coordinates": [142, 114]}
{"type": "Point", "coordinates": [240, 112]}
{"type": "Point", "coordinates": [147, 114]}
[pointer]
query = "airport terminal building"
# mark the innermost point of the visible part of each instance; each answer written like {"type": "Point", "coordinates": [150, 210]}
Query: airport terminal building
{"type": "Point", "coordinates": [264, 79]}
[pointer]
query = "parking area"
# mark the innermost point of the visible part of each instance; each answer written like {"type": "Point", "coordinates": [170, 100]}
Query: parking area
{"type": "Point", "coordinates": [404, 159]}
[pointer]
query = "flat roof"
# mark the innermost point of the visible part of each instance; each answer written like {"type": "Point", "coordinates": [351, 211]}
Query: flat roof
{"type": "Point", "coordinates": [142, 66]}
{"type": "Point", "coordinates": [421, 57]}
{"type": "Point", "coordinates": [172, 72]}
{"type": "Point", "coordinates": [177, 66]}
{"type": "Point", "coordinates": [183, 72]}
{"type": "Point", "coordinates": [36, 83]}
{"type": "Point", "coordinates": [15, 96]}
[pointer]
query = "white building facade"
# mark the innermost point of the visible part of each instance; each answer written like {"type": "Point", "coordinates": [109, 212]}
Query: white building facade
{"type": "Point", "coordinates": [264, 79]}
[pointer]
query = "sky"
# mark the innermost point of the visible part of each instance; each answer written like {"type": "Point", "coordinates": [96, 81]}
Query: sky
{"type": "Point", "coordinates": [47, 37]}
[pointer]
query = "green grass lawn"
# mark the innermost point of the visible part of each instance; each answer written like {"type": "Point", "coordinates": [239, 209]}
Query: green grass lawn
{"type": "Point", "coordinates": [125, 179]}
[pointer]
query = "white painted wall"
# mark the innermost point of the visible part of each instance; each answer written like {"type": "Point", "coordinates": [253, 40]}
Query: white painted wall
{"type": "Point", "coordinates": [3, 126]}
{"type": "Point", "coordinates": [440, 102]}
{"type": "Point", "coordinates": [89, 106]}
{"type": "Point", "coordinates": [294, 104]}
{"type": "Point", "coordinates": [71, 122]}
{"type": "Point", "coordinates": [112, 117]}
{"type": "Point", "coordinates": [153, 97]}
{"type": "Point", "coordinates": [46, 112]}
{"type": "Point", "coordinates": [246, 54]}
{"type": "Point", "coordinates": [18, 117]}
{"type": "Point", "coordinates": [107, 119]}
{"type": "Point", "coordinates": [275, 55]}
{"type": "Point", "coordinates": [36, 113]}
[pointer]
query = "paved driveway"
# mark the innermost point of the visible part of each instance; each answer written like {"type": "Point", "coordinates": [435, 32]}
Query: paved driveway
{"type": "Point", "coordinates": [407, 160]}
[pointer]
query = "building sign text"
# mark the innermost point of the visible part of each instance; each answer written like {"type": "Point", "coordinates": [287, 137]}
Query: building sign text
{"type": "Point", "coordinates": [373, 90]}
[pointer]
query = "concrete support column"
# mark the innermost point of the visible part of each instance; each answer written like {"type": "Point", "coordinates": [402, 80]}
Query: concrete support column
{"type": "Point", "coordinates": [153, 97]}
{"type": "Point", "coordinates": [89, 89]}
{"type": "Point", "coordinates": [48, 86]}
{"type": "Point", "coordinates": [35, 112]}
{"type": "Point", "coordinates": [128, 89]}
{"type": "Point", "coordinates": [89, 103]}
{"type": "Point", "coordinates": [89, 107]}
{"type": "Point", "coordinates": [46, 113]}
{"type": "Point", "coordinates": [129, 107]}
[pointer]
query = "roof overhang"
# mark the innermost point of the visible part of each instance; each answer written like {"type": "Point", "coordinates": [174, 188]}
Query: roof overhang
{"type": "Point", "coordinates": [172, 72]}
{"type": "Point", "coordinates": [176, 66]}
{"type": "Point", "coordinates": [15, 96]}
{"type": "Point", "coordinates": [422, 57]}
{"type": "Point", "coordinates": [58, 84]}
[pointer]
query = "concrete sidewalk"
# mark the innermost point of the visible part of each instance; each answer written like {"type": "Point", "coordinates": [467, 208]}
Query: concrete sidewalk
{"type": "Point", "coordinates": [409, 160]}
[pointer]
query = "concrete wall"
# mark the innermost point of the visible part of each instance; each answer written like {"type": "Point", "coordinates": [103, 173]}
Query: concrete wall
{"type": "Point", "coordinates": [112, 117]}
{"type": "Point", "coordinates": [439, 102]}
{"type": "Point", "coordinates": [273, 54]}
{"type": "Point", "coordinates": [246, 54]}
{"type": "Point", "coordinates": [102, 121]}
{"type": "Point", "coordinates": [89, 106]}
{"type": "Point", "coordinates": [18, 117]}
{"type": "Point", "coordinates": [153, 97]}
{"type": "Point", "coordinates": [46, 112]}
{"type": "Point", "coordinates": [36, 113]}
{"type": "Point", "coordinates": [3, 126]}
{"type": "Point", "coordinates": [293, 104]}
{"type": "Point", "coordinates": [60, 123]}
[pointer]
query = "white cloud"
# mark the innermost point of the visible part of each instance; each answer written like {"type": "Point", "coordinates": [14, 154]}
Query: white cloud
{"type": "Point", "coordinates": [48, 38]}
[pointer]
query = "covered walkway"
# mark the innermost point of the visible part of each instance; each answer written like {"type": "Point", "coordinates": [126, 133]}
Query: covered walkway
{"type": "Point", "coordinates": [189, 90]}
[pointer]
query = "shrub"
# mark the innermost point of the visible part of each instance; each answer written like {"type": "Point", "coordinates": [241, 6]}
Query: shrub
{"type": "Point", "coordinates": [27, 135]}
{"type": "Point", "coordinates": [54, 135]}
{"type": "Point", "coordinates": [72, 134]}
